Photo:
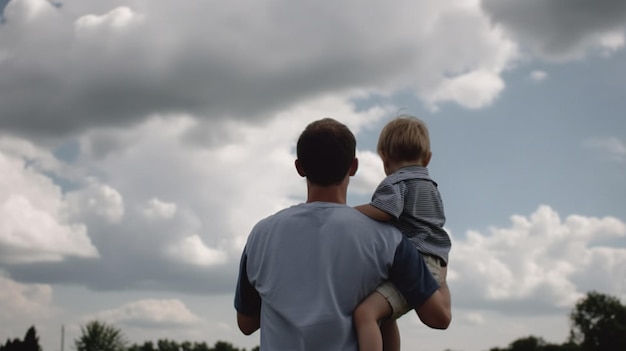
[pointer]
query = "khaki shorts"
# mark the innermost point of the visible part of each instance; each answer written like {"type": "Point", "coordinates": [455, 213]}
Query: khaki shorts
{"type": "Point", "coordinates": [398, 303]}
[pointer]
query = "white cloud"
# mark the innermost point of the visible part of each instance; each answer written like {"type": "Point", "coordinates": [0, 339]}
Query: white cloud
{"type": "Point", "coordinates": [116, 19]}
{"type": "Point", "coordinates": [157, 209]}
{"type": "Point", "coordinates": [209, 184]}
{"type": "Point", "coordinates": [39, 157]}
{"type": "Point", "coordinates": [218, 179]}
{"type": "Point", "coordinates": [19, 300]}
{"type": "Point", "coordinates": [152, 313]}
{"type": "Point", "coordinates": [472, 90]}
{"type": "Point", "coordinates": [538, 261]}
{"type": "Point", "coordinates": [98, 199]}
{"type": "Point", "coordinates": [34, 227]}
{"type": "Point", "coordinates": [538, 76]}
{"type": "Point", "coordinates": [472, 318]}
{"type": "Point", "coordinates": [28, 10]}
{"type": "Point", "coordinates": [21, 304]}
{"type": "Point", "coordinates": [613, 41]}
{"type": "Point", "coordinates": [369, 174]}
{"type": "Point", "coordinates": [613, 147]}
{"type": "Point", "coordinates": [193, 251]}
{"type": "Point", "coordinates": [225, 186]}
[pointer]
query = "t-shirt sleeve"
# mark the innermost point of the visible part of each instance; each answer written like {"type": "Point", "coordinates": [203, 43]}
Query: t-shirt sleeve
{"type": "Point", "coordinates": [247, 299]}
{"type": "Point", "coordinates": [389, 197]}
{"type": "Point", "coordinates": [410, 274]}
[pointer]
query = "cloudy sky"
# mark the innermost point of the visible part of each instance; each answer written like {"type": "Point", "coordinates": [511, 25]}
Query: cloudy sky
{"type": "Point", "coordinates": [140, 140]}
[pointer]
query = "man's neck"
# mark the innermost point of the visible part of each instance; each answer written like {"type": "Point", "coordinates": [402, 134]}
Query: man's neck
{"type": "Point", "coordinates": [331, 193]}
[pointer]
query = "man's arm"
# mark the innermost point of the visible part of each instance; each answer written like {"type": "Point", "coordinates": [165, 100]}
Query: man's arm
{"type": "Point", "coordinates": [374, 213]}
{"type": "Point", "coordinates": [247, 301]}
{"type": "Point", "coordinates": [411, 276]}
{"type": "Point", "coordinates": [436, 312]}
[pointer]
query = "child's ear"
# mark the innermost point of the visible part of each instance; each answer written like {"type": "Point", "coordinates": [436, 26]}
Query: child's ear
{"type": "Point", "coordinates": [427, 159]}
{"type": "Point", "coordinates": [386, 165]}
{"type": "Point", "coordinates": [299, 169]}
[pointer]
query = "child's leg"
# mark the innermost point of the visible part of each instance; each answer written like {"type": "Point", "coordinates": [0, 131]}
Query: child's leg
{"type": "Point", "coordinates": [391, 334]}
{"type": "Point", "coordinates": [366, 316]}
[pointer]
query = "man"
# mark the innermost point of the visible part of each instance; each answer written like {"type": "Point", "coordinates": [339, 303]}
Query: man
{"type": "Point", "coordinates": [305, 268]}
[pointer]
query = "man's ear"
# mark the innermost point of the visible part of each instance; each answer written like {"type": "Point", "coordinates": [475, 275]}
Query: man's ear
{"type": "Point", "coordinates": [354, 167]}
{"type": "Point", "coordinates": [299, 169]}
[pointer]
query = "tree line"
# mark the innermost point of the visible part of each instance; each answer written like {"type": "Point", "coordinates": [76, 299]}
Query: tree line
{"type": "Point", "coordinates": [598, 323]}
{"type": "Point", "coordinates": [99, 336]}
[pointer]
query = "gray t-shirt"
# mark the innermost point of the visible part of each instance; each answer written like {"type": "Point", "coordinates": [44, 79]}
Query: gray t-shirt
{"type": "Point", "coordinates": [307, 267]}
{"type": "Point", "coordinates": [412, 197]}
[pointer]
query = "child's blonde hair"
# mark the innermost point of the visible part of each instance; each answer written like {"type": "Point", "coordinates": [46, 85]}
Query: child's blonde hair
{"type": "Point", "coordinates": [404, 139]}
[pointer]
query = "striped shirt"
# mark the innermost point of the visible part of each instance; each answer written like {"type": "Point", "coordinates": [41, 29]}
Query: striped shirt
{"type": "Point", "coordinates": [412, 198]}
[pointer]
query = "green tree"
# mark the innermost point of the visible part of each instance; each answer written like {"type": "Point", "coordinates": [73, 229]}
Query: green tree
{"type": "Point", "coordinates": [11, 345]}
{"type": "Point", "coordinates": [202, 346]}
{"type": "Point", "coordinates": [147, 346]}
{"type": "Point", "coordinates": [529, 343]}
{"type": "Point", "coordinates": [598, 323]}
{"type": "Point", "coordinates": [167, 345]}
{"type": "Point", "coordinates": [533, 343]}
{"type": "Point", "coordinates": [187, 346]}
{"type": "Point", "coordinates": [568, 346]}
{"type": "Point", "coordinates": [30, 342]}
{"type": "Point", "coordinates": [224, 346]}
{"type": "Point", "coordinates": [99, 336]}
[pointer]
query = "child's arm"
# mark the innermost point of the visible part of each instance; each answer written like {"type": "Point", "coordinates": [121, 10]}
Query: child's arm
{"type": "Point", "coordinates": [374, 213]}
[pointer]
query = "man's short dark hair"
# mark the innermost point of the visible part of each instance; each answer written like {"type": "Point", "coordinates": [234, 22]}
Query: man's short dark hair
{"type": "Point", "coordinates": [326, 149]}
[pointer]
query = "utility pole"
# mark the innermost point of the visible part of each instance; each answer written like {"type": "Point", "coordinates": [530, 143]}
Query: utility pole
{"type": "Point", "coordinates": [62, 337]}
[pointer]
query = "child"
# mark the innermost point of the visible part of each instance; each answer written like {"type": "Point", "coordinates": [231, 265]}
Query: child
{"type": "Point", "coordinates": [409, 199]}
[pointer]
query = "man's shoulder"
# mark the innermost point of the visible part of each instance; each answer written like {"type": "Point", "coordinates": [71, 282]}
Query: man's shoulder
{"type": "Point", "coordinates": [374, 231]}
{"type": "Point", "coordinates": [340, 217]}
{"type": "Point", "coordinates": [310, 212]}
{"type": "Point", "coordinates": [283, 213]}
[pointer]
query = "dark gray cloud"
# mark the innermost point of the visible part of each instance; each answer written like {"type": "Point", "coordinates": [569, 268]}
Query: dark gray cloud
{"type": "Point", "coordinates": [87, 65]}
{"type": "Point", "coordinates": [130, 273]}
{"type": "Point", "coordinates": [66, 75]}
{"type": "Point", "coordinates": [3, 3]}
{"type": "Point", "coordinates": [558, 28]}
